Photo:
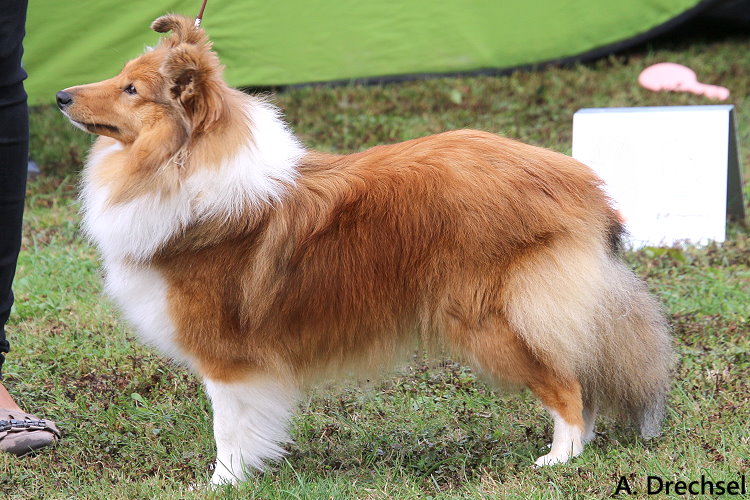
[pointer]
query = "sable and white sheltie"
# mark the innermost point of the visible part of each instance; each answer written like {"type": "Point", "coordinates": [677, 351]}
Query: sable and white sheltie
{"type": "Point", "coordinates": [265, 266]}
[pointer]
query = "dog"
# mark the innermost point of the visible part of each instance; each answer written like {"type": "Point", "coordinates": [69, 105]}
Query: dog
{"type": "Point", "coordinates": [266, 267]}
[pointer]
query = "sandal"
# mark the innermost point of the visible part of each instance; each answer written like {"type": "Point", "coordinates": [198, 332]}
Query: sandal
{"type": "Point", "coordinates": [22, 433]}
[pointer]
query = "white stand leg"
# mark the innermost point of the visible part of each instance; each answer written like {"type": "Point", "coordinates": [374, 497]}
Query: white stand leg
{"type": "Point", "coordinates": [250, 422]}
{"type": "Point", "coordinates": [566, 442]}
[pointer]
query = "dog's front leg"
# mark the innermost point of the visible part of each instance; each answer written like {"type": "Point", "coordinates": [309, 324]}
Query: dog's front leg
{"type": "Point", "coordinates": [250, 423]}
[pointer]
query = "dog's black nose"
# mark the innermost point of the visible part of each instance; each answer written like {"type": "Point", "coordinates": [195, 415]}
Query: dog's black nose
{"type": "Point", "coordinates": [63, 99]}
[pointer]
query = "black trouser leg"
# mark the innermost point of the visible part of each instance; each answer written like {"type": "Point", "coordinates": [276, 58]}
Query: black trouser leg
{"type": "Point", "coordinates": [14, 154]}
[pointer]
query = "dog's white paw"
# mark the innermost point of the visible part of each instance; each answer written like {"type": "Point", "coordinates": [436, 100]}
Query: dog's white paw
{"type": "Point", "coordinates": [222, 475]}
{"type": "Point", "coordinates": [552, 459]}
{"type": "Point", "coordinates": [560, 454]}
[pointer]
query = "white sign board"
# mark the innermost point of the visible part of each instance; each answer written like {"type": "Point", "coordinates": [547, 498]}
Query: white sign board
{"type": "Point", "coordinates": [673, 172]}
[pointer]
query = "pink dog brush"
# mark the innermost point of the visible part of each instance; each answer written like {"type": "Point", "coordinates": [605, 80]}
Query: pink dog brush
{"type": "Point", "coordinates": [678, 78]}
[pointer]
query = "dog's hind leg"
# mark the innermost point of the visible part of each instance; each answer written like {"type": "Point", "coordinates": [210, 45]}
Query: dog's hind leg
{"type": "Point", "coordinates": [499, 354]}
{"type": "Point", "coordinates": [251, 417]}
{"type": "Point", "coordinates": [589, 417]}
{"type": "Point", "coordinates": [562, 398]}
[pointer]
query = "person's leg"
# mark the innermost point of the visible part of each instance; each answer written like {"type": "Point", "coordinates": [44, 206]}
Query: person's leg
{"type": "Point", "coordinates": [20, 432]}
{"type": "Point", "coordinates": [6, 400]}
{"type": "Point", "coordinates": [14, 153]}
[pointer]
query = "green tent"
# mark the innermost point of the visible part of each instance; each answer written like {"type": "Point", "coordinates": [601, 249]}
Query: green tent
{"type": "Point", "coordinates": [264, 43]}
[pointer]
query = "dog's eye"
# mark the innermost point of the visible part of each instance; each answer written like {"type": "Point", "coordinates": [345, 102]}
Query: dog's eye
{"type": "Point", "coordinates": [130, 89]}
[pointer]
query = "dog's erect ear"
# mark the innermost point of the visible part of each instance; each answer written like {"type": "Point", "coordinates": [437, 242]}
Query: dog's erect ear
{"type": "Point", "coordinates": [183, 30]}
{"type": "Point", "coordinates": [193, 73]}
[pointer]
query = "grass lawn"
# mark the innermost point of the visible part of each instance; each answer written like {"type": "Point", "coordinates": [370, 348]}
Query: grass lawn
{"type": "Point", "coordinates": [136, 426]}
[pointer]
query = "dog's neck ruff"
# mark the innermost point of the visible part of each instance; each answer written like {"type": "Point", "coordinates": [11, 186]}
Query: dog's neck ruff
{"type": "Point", "coordinates": [256, 175]}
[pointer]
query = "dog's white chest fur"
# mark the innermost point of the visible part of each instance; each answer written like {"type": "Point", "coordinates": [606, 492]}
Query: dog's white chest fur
{"type": "Point", "coordinates": [141, 294]}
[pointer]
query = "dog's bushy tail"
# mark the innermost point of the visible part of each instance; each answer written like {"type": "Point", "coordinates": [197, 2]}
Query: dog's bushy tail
{"type": "Point", "coordinates": [630, 373]}
{"type": "Point", "coordinates": [582, 311]}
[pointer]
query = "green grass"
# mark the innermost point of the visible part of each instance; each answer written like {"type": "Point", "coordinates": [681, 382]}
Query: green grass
{"type": "Point", "coordinates": [137, 426]}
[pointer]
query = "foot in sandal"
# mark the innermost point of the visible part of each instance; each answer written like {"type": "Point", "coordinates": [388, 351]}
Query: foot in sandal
{"type": "Point", "coordinates": [22, 433]}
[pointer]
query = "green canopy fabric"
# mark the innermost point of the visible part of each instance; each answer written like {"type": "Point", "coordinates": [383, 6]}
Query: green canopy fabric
{"type": "Point", "coordinates": [264, 43]}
